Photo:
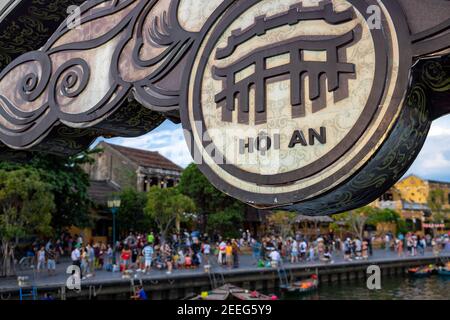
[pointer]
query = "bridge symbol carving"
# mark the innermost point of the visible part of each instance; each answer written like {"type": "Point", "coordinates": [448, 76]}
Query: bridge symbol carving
{"type": "Point", "coordinates": [296, 69]}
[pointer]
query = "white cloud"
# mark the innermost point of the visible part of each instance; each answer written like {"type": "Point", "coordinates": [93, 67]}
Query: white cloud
{"type": "Point", "coordinates": [167, 140]}
{"type": "Point", "coordinates": [433, 161]}
{"type": "Point", "coordinates": [439, 129]}
{"type": "Point", "coordinates": [437, 163]}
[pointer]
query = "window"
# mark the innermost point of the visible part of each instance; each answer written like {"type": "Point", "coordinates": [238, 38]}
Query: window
{"type": "Point", "coordinates": [387, 197]}
{"type": "Point", "coordinates": [170, 183]}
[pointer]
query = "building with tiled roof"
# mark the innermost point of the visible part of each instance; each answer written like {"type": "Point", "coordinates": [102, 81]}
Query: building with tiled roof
{"type": "Point", "coordinates": [101, 191]}
{"type": "Point", "coordinates": [129, 167]}
{"type": "Point", "coordinates": [147, 159]}
{"type": "Point", "coordinates": [116, 168]}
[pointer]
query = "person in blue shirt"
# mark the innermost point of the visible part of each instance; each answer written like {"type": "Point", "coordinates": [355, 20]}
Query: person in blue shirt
{"type": "Point", "coordinates": [148, 257]}
{"type": "Point", "coordinates": [140, 294]}
{"type": "Point", "coordinates": [195, 235]}
{"type": "Point", "coordinates": [256, 248]}
{"type": "Point", "coordinates": [48, 297]}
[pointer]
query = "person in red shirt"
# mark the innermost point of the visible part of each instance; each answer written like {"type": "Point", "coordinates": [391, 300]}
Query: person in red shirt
{"type": "Point", "coordinates": [126, 257]}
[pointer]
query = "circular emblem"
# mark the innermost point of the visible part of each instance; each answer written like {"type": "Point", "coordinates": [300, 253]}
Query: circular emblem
{"type": "Point", "coordinates": [286, 100]}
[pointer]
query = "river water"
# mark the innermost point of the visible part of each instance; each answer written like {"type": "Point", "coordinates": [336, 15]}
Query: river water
{"type": "Point", "coordinates": [398, 288]}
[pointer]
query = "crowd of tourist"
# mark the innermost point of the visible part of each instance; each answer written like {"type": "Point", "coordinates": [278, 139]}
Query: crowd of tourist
{"type": "Point", "coordinates": [146, 252]}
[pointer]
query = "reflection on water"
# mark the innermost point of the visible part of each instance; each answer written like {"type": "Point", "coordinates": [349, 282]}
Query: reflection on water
{"type": "Point", "coordinates": [432, 288]}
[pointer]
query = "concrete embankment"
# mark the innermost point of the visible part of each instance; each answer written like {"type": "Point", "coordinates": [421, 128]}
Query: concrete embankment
{"type": "Point", "coordinates": [182, 284]}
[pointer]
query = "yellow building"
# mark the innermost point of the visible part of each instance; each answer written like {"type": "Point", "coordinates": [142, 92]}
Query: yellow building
{"type": "Point", "coordinates": [410, 196]}
{"type": "Point", "coordinates": [413, 189]}
{"type": "Point", "coordinates": [417, 190]}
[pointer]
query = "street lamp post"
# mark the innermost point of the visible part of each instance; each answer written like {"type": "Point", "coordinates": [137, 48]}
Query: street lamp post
{"type": "Point", "coordinates": [114, 205]}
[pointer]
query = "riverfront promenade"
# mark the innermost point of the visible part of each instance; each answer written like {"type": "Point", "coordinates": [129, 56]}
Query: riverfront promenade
{"type": "Point", "coordinates": [247, 267]}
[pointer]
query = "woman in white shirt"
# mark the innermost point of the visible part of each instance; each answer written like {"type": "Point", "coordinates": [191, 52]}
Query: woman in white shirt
{"type": "Point", "coordinates": [206, 252]}
{"type": "Point", "coordinates": [294, 252]}
{"type": "Point", "coordinates": [275, 258]}
{"type": "Point", "coordinates": [222, 248]}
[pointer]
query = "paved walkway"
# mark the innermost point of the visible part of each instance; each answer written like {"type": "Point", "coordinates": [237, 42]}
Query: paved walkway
{"type": "Point", "coordinates": [246, 264]}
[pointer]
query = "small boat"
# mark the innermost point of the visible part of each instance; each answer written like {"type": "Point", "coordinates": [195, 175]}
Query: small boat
{"type": "Point", "coordinates": [305, 286]}
{"type": "Point", "coordinates": [245, 295]}
{"type": "Point", "coordinates": [230, 292]}
{"type": "Point", "coordinates": [420, 272]}
{"type": "Point", "coordinates": [444, 272]}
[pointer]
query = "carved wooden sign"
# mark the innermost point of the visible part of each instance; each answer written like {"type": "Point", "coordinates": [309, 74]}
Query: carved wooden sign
{"type": "Point", "coordinates": [308, 105]}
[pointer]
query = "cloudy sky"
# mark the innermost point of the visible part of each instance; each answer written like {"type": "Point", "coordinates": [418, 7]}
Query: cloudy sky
{"type": "Point", "coordinates": [432, 163]}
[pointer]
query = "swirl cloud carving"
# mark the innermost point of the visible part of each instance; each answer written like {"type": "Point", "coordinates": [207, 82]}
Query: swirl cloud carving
{"type": "Point", "coordinates": [84, 73]}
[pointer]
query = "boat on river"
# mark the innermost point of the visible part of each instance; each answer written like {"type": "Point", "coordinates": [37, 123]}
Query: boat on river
{"type": "Point", "coordinates": [444, 271]}
{"type": "Point", "coordinates": [420, 272]}
{"type": "Point", "coordinates": [231, 292]}
{"type": "Point", "coordinates": [303, 287]}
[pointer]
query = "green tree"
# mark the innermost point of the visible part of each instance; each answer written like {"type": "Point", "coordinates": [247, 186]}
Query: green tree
{"type": "Point", "coordinates": [383, 216]}
{"type": "Point", "coordinates": [207, 198]}
{"type": "Point", "coordinates": [402, 226]}
{"type": "Point", "coordinates": [282, 222]}
{"type": "Point", "coordinates": [356, 220]}
{"type": "Point", "coordinates": [227, 222]}
{"type": "Point", "coordinates": [436, 200]}
{"type": "Point", "coordinates": [68, 183]}
{"type": "Point", "coordinates": [164, 206]}
{"type": "Point", "coordinates": [26, 206]}
{"type": "Point", "coordinates": [131, 212]}
{"type": "Point", "coordinates": [388, 216]}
